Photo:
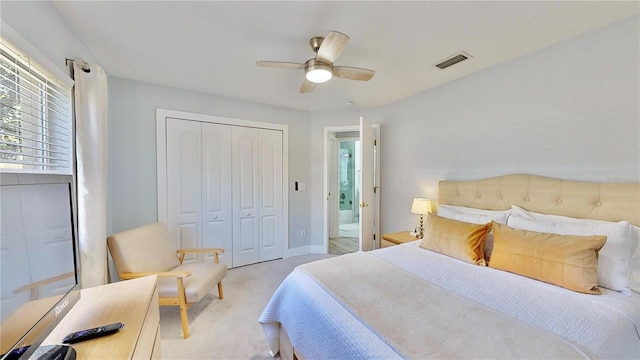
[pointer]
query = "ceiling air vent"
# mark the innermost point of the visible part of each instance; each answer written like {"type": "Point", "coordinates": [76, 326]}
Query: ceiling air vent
{"type": "Point", "coordinates": [452, 60]}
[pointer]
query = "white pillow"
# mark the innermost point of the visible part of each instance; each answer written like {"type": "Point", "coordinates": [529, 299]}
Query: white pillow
{"type": "Point", "coordinates": [473, 215]}
{"type": "Point", "coordinates": [614, 258]}
{"type": "Point", "coordinates": [476, 216]}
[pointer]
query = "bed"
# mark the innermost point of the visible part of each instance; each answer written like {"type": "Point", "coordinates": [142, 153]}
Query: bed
{"type": "Point", "coordinates": [574, 294]}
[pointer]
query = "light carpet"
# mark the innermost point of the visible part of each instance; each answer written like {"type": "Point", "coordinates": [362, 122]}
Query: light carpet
{"type": "Point", "coordinates": [228, 328]}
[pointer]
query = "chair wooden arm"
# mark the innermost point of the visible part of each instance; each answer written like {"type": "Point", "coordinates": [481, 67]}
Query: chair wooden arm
{"type": "Point", "coordinates": [133, 275]}
{"type": "Point", "coordinates": [214, 251]}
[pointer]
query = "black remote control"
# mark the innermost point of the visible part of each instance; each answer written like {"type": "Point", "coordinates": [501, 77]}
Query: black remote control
{"type": "Point", "coordinates": [87, 334]}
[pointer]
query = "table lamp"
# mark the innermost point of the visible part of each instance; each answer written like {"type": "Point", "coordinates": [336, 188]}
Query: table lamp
{"type": "Point", "coordinates": [421, 206]}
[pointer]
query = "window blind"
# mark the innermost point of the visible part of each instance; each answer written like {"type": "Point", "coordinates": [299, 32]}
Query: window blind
{"type": "Point", "coordinates": [35, 116]}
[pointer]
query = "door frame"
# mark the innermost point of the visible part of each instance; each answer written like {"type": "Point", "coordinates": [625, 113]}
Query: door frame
{"type": "Point", "coordinates": [161, 152]}
{"type": "Point", "coordinates": [326, 187]}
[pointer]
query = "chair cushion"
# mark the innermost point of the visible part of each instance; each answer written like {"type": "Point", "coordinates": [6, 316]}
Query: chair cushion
{"type": "Point", "coordinates": [204, 277]}
{"type": "Point", "coordinates": [145, 248]}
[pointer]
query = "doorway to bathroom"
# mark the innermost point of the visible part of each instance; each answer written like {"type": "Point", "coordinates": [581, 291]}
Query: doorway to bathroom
{"type": "Point", "coordinates": [351, 173]}
{"type": "Point", "coordinates": [348, 168]}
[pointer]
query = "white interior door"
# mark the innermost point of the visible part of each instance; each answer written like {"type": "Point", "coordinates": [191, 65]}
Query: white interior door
{"type": "Point", "coordinates": [333, 193]}
{"type": "Point", "coordinates": [217, 229]}
{"type": "Point", "coordinates": [223, 183]}
{"type": "Point", "coordinates": [271, 233]}
{"type": "Point", "coordinates": [367, 150]}
{"type": "Point", "coordinates": [246, 189]}
{"type": "Point", "coordinates": [184, 183]}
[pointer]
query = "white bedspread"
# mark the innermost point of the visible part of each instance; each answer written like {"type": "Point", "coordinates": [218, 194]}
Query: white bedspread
{"type": "Point", "coordinates": [320, 327]}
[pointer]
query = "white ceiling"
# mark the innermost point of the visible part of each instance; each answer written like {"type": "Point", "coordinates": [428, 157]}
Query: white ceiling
{"type": "Point", "coordinates": [212, 46]}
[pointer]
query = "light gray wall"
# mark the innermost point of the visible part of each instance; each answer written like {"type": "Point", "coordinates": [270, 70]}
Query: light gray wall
{"type": "Point", "coordinates": [132, 148]}
{"type": "Point", "coordinates": [319, 121]}
{"type": "Point", "coordinates": [569, 111]}
{"type": "Point", "coordinates": [44, 28]}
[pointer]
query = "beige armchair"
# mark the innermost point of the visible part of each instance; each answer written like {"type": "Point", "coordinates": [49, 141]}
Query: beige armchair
{"type": "Point", "coordinates": [149, 250]}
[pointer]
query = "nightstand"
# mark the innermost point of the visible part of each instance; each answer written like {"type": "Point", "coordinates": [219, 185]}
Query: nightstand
{"type": "Point", "coordinates": [396, 238]}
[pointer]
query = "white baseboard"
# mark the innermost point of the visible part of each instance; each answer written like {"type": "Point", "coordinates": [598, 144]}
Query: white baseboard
{"type": "Point", "coordinates": [304, 250]}
{"type": "Point", "coordinates": [318, 249]}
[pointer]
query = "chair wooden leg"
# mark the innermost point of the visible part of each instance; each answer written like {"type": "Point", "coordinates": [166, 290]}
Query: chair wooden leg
{"type": "Point", "coordinates": [185, 321]}
{"type": "Point", "coordinates": [220, 294]}
{"type": "Point", "coordinates": [183, 308]}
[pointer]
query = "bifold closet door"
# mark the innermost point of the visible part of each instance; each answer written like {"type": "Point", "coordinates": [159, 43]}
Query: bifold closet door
{"type": "Point", "coordinates": [257, 195]}
{"type": "Point", "coordinates": [216, 190]}
{"type": "Point", "coordinates": [184, 182]}
{"type": "Point", "coordinates": [199, 186]}
{"type": "Point", "coordinates": [224, 190]}
{"type": "Point", "coordinates": [271, 206]}
{"type": "Point", "coordinates": [246, 187]}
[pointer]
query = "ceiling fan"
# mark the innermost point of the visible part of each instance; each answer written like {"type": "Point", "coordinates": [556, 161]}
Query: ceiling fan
{"type": "Point", "coordinates": [321, 69]}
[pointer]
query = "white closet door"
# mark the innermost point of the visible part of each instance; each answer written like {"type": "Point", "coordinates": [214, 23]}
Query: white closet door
{"type": "Point", "coordinates": [270, 194]}
{"type": "Point", "coordinates": [184, 182]}
{"type": "Point", "coordinates": [216, 190]}
{"type": "Point", "coordinates": [225, 189]}
{"type": "Point", "coordinates": [246, 188]}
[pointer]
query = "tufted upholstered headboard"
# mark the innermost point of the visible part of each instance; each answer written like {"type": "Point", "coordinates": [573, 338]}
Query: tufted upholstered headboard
{"type": "Point", "coordinates": [587, 200]}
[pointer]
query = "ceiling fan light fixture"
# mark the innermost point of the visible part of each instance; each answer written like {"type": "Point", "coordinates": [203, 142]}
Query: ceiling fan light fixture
{"type": "Point", "coordinates": [318, 71]}
{"type": "Point", "coordinates": [319, 75]}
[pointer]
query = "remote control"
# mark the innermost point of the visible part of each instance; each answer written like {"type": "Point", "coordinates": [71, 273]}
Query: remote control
{"type": "Point", "coordinates": [87, 334]}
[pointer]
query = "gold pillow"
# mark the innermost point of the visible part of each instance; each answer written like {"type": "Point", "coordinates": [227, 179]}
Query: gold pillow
{"type": "Point", "coordinates": [569, 261]}
{"type": "Point", "coordinates": [458, 239]}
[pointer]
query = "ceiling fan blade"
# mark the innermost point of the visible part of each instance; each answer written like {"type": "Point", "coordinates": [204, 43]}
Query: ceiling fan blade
{"type": "Point", "coordinates": [280, 64]}
{"type": "Point", "coordinates": [353, 73]}
{"type": "Point", "coordinates": [307, 87]}
{"type": "Point", "coordinates": [332, 46]}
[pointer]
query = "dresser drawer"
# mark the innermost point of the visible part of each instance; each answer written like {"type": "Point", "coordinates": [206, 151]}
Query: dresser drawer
{"type": "Point", "coordinates": [148, 334]}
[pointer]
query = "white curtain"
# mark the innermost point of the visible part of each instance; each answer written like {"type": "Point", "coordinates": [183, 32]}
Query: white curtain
{"type": "Point", "coordinates": [91, 106]}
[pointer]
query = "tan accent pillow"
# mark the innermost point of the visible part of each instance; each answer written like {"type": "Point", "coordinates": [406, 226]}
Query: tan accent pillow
{"type": "Point", "coordinates": [458, 239]}
{"type": "Point", "coordinates": [569, 261]}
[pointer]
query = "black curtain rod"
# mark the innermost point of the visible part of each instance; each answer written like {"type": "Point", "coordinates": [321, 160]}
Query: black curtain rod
{"type": "Point", "coordinates": [83, 64]}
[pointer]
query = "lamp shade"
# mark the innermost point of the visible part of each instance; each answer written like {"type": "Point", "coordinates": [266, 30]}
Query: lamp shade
{"type": "Point", "coordinates": [421, 206]}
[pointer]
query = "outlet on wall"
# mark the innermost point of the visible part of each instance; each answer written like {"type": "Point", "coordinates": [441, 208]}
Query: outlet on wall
{"type": "Point", "coordinates": [303, 233]}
